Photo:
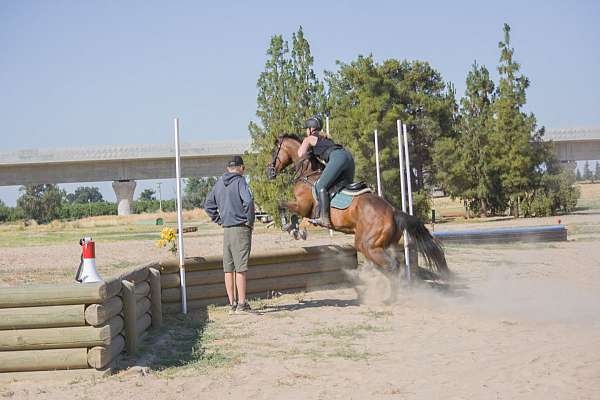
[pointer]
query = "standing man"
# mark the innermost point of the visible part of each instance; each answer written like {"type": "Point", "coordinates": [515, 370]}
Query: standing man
{"type": "Point", "coordinates": [230, 203]}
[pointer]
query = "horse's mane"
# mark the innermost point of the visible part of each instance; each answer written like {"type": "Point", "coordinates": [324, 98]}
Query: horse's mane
{"type": "Point", "coordinates": [290, 136]}
{"type": "Point", "coordinates": [314, 162]}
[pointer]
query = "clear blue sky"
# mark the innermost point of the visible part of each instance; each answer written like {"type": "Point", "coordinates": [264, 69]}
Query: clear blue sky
{"type": "Point", "coordinates": [76, 73]}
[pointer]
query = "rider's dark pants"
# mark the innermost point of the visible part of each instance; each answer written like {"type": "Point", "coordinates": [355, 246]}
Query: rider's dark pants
{"type": "Point", "coordinates": [340, 167]}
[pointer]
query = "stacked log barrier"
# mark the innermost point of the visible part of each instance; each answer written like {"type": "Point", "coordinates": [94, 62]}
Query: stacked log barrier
{"type": "Point", "coordinates": [58, 327]}
{"type": "Point", "coordinates": [47, 331]}
{"type": "Point", "coordinates": [290, 269]}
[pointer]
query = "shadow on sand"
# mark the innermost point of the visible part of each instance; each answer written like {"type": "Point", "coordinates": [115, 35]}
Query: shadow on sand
{"type": "Point", "coordinates": [179, 342]}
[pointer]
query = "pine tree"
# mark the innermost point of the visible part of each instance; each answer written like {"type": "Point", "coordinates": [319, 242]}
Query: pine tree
{"type": "Point", "coordinates": [288, 92]}
{"type": "Point", "coordinates": [462, 162]}
{"type": "Point", "coordinates": [364, 96]}
{"type": "Point", "coordinates": [514, 156]}
{"type": "Point", "coordinates": [587, 172]}
{"type": "Point", "coordinates": [597, 171]}
{"type": "Point", "coordinates": [578, 176]}
{"type": "Point", "coordinates": [306, 90]}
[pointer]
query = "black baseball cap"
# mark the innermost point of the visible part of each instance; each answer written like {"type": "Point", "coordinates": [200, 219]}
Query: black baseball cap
{"type": "Point", "coordinates": [236, 161]}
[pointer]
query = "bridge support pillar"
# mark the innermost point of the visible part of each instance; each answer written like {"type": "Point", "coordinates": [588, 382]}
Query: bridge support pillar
{"type": "Point", "coordinates": [124, 191]}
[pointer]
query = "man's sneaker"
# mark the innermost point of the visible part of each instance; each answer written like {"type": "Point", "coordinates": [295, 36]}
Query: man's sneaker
{"type": "Point", "coordinates": [243, 308]}
{"type": "Point", "coordinates": [232, 308]}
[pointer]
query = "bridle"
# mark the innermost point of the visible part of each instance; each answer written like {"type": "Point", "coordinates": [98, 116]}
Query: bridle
{"type": "Point", "coordinates": [271, 171]}
{"type": "Point", "coordinates": [299, 167]}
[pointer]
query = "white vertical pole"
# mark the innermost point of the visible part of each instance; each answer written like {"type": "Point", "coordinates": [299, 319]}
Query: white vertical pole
{"type": "Point", "coordinates": [408, 180]}
{"type": "Point", "coordinates": [403, 189]}
{"type": "Point", "coordinates": [401, 160]}
{"type": "Point", "coordinates": [408, 193]}
{"type": "Point", "coordinates": [180, 220]}
{"type": "Point", "coordinates": [377, 164]}
{"type": "Point", "coordinates": [327, 130]}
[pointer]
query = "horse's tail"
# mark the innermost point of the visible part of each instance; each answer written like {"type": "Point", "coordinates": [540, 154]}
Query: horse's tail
{"type": "Point", "coordinates": [426, 243]}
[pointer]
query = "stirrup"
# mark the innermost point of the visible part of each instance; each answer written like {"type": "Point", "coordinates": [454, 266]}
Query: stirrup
{"type": "Point", "coordinates": [319, 222]}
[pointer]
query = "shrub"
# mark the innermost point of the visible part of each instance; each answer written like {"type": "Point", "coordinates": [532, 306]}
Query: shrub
{"type": "Point", "coordinates": [422, 206]}
{"type": "Point", "coordinates": [152, 206]}
{"type": "Point", "coordinates": [78, 210]}
{"type": "Point", "coordinates": [555, 193]}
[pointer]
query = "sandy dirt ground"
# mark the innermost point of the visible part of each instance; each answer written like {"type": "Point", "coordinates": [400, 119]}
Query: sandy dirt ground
{"type": "Point", "coordinates": [58, 262]}
{"type": "Point", "coordinates": [519, 322]}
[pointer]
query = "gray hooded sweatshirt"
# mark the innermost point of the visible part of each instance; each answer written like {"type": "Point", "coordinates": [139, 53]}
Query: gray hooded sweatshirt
{"type": "Point", "coordinates": [230, 202]}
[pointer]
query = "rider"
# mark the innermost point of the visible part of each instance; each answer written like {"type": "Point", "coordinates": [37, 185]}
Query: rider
{"type": "Point", "coordinates": [339, 164]}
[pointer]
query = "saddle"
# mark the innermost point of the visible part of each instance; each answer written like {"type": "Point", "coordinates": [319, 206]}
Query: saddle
{"type": "Point", "coordinates": [351, 189]}
{"type": "Point", "coordinates": [342, 194]}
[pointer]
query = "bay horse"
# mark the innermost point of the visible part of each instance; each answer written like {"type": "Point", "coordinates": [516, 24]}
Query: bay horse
{"type": "Point", "coordinates": [376, 224]}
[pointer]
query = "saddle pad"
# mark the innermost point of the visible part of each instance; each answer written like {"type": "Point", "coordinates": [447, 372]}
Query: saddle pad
{"type": "Point", "coordinates": [341, 200]}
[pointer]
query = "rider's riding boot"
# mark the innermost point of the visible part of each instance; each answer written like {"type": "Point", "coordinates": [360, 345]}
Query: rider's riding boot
{"type": "Point", "coordinates": [324, 219]}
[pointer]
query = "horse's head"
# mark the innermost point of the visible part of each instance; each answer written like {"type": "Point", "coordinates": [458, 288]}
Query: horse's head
{"type": "Point", "coordinates": [284, 154]}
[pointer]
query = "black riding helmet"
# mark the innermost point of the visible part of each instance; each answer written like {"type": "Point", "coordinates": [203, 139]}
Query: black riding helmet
{"type": "Point", "coordinates": [314, 122]}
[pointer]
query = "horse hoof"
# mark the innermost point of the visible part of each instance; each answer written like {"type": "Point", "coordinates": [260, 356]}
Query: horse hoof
{"type": "Point", "coordinates": [303, 234]}
{"type": "Point", "coordinates": [296, 234]}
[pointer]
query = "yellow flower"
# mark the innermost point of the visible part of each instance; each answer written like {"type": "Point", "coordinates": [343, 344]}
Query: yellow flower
{"type": "Point", "coordinates": [168, 239]}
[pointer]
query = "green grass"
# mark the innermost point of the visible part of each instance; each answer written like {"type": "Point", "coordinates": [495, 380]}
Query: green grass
{"type": "Point", "coordinates": [377, 314]}
{"type": "Point", "coordinates": [17, 235]}
{"type": "Point", "coordinates": [350, 331]}
{"type": "Point", "coordinates": [43, 236]}
{"type": "Point", "coordinates": [349, 353]}
{"type": "Point", "coordinates": [187, 344]}
{"type": "Point", "coordinates": [345, 352]}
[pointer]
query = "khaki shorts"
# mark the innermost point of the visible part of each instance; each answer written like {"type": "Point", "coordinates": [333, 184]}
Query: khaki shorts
{"type": "Point", "coordinates": [237, 242]}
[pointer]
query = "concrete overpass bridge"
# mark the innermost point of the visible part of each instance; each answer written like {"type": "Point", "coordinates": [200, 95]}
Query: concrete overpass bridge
{"type": "Point", "coordinates": [125, 164]}
{"type": "Point", "coordinates": [575, 144]}
{"type": "Point", "coordinates": [121, 164]}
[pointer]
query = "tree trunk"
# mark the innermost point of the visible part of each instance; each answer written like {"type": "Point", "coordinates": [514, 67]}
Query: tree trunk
{"type": "Point", "coordinates": [483, 208]}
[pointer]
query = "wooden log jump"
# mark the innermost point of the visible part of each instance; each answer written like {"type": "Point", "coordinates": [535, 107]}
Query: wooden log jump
{"type": "Point", "coordinates": [60, 338]}
{"type": "Point", "coordinates": [155, 298]}
{"type": "Point", "coordinates": [552, 233]}
{"type": "Point", "coordinates": [76, 327]}
{"type": "Point", "coordinates": [142, 289]}
{"type": "Point", "coordinates": [100, 356]}
{"type": "Point", "coordinates": [273, 257]}
{"type": "Point", "coordinates": [142, 306]}
{"type": "Point", "coordinates": [286, 269]}
{"type": "Point", "coordinates": [41, 360]}
{"type": "Point", "coordinates": [259, 271]}
{"type": "Point", "coordinates": [42, 317]}
{"type": "Point", "coordinates": [97, 314]}
{"type": "Point", "coordinates": [54, 295]}
{"type": "Point", "coordinates": [128, 297]}
{"type": "Point", "coordinates": [256, 286]}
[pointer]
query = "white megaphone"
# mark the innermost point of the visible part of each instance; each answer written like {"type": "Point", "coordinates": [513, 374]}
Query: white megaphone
{"type": "Point", "coordinates": [87, 268]}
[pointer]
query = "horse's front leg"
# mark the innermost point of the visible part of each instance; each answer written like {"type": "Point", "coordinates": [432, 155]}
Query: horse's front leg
{"type": "Point", "coordinates": [285, 226]}
{"type": "Point", "coordinates": [293, 207]}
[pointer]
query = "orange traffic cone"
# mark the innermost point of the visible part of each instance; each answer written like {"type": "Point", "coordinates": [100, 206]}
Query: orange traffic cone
{"type": "Point", "coordinates": [87, 268]}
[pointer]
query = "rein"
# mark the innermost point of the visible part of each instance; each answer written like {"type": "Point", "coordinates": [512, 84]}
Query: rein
{"type": "Point", "coordinates": [299, 167]}
{"type": "Point", "coordinates": [300, 176]}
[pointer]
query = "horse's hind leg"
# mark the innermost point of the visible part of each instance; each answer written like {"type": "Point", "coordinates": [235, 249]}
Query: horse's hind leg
{"type": "Point", "coordinates": [389, 266]}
